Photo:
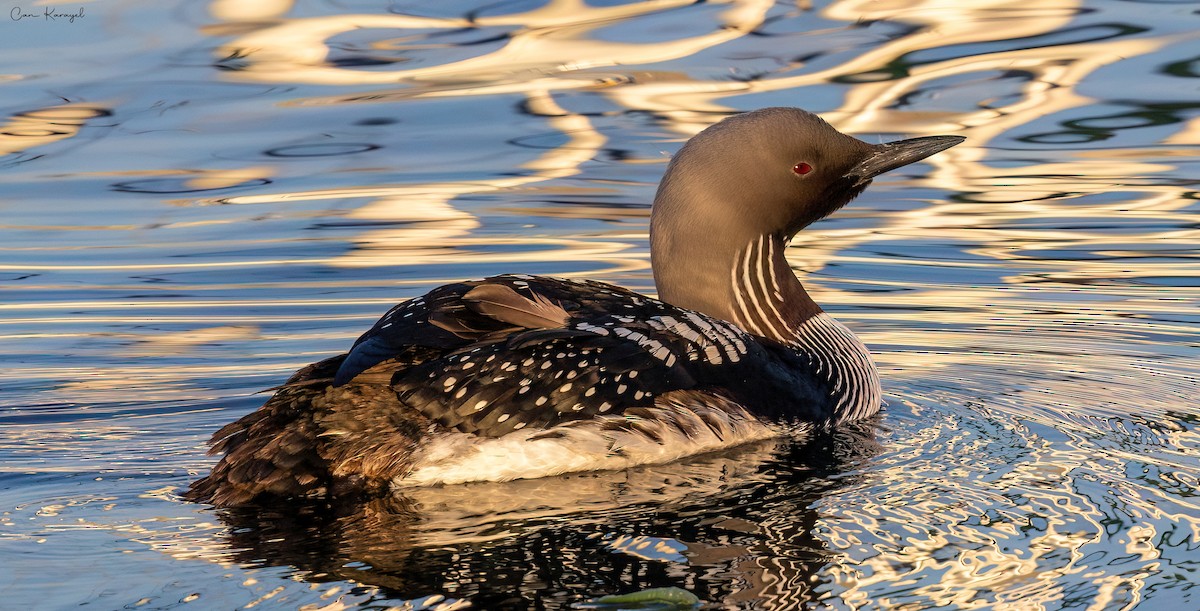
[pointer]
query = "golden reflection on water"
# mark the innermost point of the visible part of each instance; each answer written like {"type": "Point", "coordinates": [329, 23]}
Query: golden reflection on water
{"type": "Point", "coordinates": [260, 10]}
{"type": "Point", "coordinates": [296, 50]}
{"type": "Point", "coordinates": [550, 39]}
{"type": "Point", "coordinates": [43, 126]}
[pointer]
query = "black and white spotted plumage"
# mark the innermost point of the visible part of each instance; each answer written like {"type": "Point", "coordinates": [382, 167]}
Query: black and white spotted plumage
{"type": "Point", "coordinates": [520, 376]}
{"type": "Point", "coordinates": [440, 392]}
{"type": "Point", "coordinates": [617, 350]}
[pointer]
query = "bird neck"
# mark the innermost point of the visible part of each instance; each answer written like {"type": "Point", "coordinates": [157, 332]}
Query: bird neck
{"type": "Point", "coordinates": [766, 298]}
{"type": "Point", "coordinates": [770, 302]}
{"type": "Point", "coordinates": [747, 283]}
{"type": "Point", "coordinates": [750, 284]}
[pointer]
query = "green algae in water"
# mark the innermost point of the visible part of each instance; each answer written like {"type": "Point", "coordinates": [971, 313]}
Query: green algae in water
{"type": "Point", "coordinates": [666, 599]}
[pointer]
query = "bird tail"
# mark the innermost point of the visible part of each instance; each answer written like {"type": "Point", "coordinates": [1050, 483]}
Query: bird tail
{"type": "Point", "coordinates": [282, 450]}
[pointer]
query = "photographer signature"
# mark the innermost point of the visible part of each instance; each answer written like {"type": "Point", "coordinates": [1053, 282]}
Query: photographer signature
{"type": "Point", "coordinates": [49, 13]}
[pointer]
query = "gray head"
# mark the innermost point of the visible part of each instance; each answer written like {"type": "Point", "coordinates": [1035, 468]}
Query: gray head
{"type": "Point", "coordinates": [761, 175]}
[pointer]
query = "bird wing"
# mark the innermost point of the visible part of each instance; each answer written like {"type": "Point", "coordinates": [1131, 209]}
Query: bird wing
{"type": "Point", "coordinates": [511, 352]}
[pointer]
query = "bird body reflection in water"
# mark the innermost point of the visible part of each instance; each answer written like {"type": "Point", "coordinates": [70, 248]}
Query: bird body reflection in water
{"type": "Point", "coordinates": [709, 525]}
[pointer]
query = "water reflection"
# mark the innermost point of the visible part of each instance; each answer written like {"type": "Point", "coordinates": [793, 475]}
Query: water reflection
{"type": "Point", "coordinates": [556, 37]}
{"type": "Point", "coordinates": [1032, 57]}
{"type": "Point", "coordinates": [216, 194]}
{"type": "Point", "coordinates": [32, 129]}
{"type": "Point", "coordinates": [735, 526]}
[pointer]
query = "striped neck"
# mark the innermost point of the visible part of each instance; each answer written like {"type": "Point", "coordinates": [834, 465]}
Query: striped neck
{"type": "Point", "coordinates": [768, 300]}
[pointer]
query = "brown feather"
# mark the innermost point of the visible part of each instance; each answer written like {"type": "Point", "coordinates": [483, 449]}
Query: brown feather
{"type": "Point", "coordinates": [453, 322]}
{"type": "Point", "coordinates": [502, 303]}
{"type": "Point", "coordinates": [287, 448]}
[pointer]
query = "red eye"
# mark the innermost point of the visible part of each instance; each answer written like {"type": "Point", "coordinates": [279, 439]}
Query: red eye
{"type": "Point", "coordinates": [802, 168]}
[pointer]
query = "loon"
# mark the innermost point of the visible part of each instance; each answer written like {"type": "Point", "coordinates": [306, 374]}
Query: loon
{"type": "Point", "coordinates": [519, 376]}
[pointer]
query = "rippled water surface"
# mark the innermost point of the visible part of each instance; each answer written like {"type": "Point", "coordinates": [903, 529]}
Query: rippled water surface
{"type": "Point", "coordinates": [198, 198]}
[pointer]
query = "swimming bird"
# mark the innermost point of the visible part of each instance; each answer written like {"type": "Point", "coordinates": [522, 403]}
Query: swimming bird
{"type": "Point", "coordinates": [519, 376]}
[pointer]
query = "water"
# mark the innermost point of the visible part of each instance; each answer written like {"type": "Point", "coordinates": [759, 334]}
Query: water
{"type": "Point", "coordinates": [200, 198]}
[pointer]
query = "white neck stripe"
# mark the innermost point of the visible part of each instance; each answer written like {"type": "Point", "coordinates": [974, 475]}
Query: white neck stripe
{"type": "Point", "coordinates": [773, 324]}
{"type": "Point", "coordinates": [765, 266]}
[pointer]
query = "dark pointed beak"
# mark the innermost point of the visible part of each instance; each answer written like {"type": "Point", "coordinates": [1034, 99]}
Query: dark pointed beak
{"type": "Point", "coordinates": [892, 155]}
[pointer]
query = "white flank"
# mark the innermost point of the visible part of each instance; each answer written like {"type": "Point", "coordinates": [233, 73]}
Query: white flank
{"type": "Point", "coordinates": [584, 445]}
